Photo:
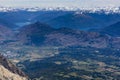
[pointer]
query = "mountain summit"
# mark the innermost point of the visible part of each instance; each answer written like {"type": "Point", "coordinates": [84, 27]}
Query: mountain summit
{"type": "Point", "coordinates": [40, 34]}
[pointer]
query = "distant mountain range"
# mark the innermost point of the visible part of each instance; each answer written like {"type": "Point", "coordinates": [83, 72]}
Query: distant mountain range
{"type": "Point", "coordinates": [84, 21]}
{"type": "Point", "coordinates": [91, 10]}
{"type": "Point", "coordinates": [58, 19]}
{"type": "Point", "coordinates": [39, 34]}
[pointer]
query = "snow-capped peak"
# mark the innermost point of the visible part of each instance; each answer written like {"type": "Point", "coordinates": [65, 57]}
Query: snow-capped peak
{"type": "Point", "coordinates": [107, 10]}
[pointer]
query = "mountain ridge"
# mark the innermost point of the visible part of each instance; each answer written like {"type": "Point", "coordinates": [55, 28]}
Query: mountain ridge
{"type": "Point", "coordinates": [10, 71]}
{"type": "Point", "coordinates": [112, 30]}
{"type": "Point", "coordinates": [106, 10]}
{"type": "Point", "coordinates": [64, 37]}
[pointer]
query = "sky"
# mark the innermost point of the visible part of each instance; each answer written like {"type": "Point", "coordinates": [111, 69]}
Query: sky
{"type": "Point", "coordinates": [60, 3]}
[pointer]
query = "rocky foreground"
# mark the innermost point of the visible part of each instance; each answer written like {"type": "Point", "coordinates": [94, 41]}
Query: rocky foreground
{"type": "Point", "coordinates": [8, 71]}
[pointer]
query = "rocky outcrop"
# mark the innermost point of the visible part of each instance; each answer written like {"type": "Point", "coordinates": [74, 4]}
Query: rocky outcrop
{"type": "Point", "coordinates": [9, 71]}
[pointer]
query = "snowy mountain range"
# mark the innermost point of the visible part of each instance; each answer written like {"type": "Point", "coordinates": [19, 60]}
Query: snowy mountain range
{"type": "Point", "coordinates": [106, 10]}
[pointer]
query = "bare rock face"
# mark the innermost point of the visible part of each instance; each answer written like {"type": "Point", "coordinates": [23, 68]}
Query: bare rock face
{"type": "Point", "coordinates": [8, 71]}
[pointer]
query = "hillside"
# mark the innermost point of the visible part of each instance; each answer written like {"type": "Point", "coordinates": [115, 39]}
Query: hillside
{"type": "Point", "coordinates": [113, 30]}
{"type": "Point", "coordinates": [6, 33]}
{"type": "Point", "coordinates": [34, 34]}
{"type": "Point", "coordinates": [84, 21]}
{"type": "Point", "coordinates": [8, 71]}
{"type": "Point", "coordinates": [40, 34]}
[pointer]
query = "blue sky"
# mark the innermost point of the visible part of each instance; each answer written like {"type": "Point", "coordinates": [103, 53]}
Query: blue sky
{"type": "Point", "coordinates": [60, 3]}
